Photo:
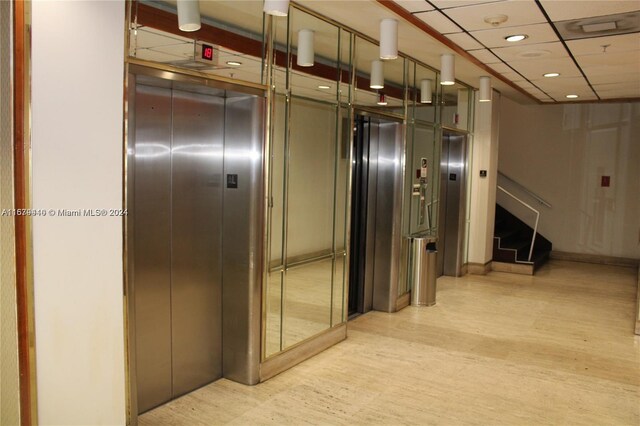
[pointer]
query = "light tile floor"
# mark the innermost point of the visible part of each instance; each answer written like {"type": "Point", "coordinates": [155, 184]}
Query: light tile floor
{"type": "Point", "coordinates": [556, 348]}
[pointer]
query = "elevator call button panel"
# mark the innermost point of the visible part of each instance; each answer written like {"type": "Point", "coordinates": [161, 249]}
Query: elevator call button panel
{"type": "Point", "coordinates": [232, 181]}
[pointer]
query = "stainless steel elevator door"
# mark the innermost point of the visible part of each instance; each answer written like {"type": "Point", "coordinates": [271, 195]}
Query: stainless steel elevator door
{"type": "Point", "coordinates": [376, 217]}
{"type": "Point", "coordinates": [196, 287]}
{"type": "Point", "coordinates": [152, 244]}
{"type": "Point", "coordinates": [451, 227]}
{"type": "Point", "coordinates": [178, 141]}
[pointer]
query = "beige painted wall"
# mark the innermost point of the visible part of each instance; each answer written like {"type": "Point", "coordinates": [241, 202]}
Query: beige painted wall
{"type": "Point", "coordinates": [77, 146]}
{"type": "Point", "coordinates": [9, 388]}
{"type": "Point", "coordinates": [560, 152]}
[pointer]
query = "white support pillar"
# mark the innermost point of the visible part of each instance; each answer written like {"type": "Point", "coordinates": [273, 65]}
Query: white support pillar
{"type": "Point", "coordinates": [483, 188]}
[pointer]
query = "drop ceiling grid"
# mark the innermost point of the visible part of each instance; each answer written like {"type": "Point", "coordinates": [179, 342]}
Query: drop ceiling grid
{"type": "Point", "coordinates": [577, 60]}
{"type": "Point", "coordinates": [470, 17]}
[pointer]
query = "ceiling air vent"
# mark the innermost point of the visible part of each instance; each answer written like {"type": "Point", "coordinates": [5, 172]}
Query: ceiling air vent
{"type": "Point", "coordinates": [622, 23]}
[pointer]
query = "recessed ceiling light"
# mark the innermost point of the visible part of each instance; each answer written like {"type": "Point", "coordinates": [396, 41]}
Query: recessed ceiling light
{"type": "Point", "coordinates": [572, 96]}
{"type": "Point", "coordinates": [324, 86]}
{"type": "Point", "coordinates": [234, 63]}
{"type": "Point", "coordinates": [551, 74]}
{"type": "Point", "coordinates": [516, 37]}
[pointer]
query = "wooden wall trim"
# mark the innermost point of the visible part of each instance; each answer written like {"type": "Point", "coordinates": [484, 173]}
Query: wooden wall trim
{"type": "Point", "coordinates": [21, 49]}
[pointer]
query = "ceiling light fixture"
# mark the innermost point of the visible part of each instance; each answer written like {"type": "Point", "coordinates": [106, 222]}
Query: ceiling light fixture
{"type": "Point", "coordinates": [516, 37]}
{"type": "Point", "coordinates": [426, 92]}
{"type": "Point", "coordinates": [551, 74]}
{"type": "Point", "coordinates": [188, 15]}
{"type": "Point", "coordinates": [234, 63]}
{"type": "Point", "coordinates": [276, 7]}
{"type": "Point", "coordinates": [388, 39]}
{"type": "Point", "coordinates": [485, 89]}
{"type": "Point", "coordinates": [572, 96]}
{"type": "Point", "coordinates": [447, 70]}
{"type": "Point", "coordinates": [377, 74]}
{"type": "Point", "coordinates": [305, 48]}
{"type": "Point", "coordinates": [324, 87]}
{"type": "Point", "coordinates": [382, 100]}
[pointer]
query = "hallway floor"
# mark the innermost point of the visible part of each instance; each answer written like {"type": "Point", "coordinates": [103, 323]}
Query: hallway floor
{"type": "Point", "coordinates": [501, 349]}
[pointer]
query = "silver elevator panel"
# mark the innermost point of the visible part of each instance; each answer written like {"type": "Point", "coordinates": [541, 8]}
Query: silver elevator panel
{"type": "Point", "coordinates": [194, 191]}
{"type": "Point", "coordinates": [376, 215]}
{"type": "Point", "coordinates": [451, 228]}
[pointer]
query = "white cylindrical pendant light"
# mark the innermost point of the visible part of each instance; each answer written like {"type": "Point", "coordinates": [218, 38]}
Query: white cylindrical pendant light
{"type": "Point", "coordinates": [188, 15]}
{"type": "Point", "coordinates": [305, 48]}
{"type": "Point", "coordinates": [276, 7]}
{"type": "Point", "coordinates": [447, 70]}
{"type": "Point", "coordinates": [382, 99]}
{"type": "Point", "coordinates": [388, 39]}
{"type": "Point", "coordinates": [426, 94]}
{"type": "Point", "coordinates": [377, 74]}
{"type": "Point", "coordinates": [485, 89]}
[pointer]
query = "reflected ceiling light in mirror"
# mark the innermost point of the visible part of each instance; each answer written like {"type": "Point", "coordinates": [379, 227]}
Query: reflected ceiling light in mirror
{"type": "Point", "coordinates": [234, 63]}
{"type": "Point", "coordinates": [276, 7]}
{"type": "Point", "coordinates": [188, 15]}
{"type": "Point", "coordinates": [305, 48]}
{"type": "Point", "coordinates": [516, 37]}
{"type": "Point", "coordinates": [447, 70]}
{"type": "Point", "coordinates": [388, 39]}
{"type": "Point", "coordinates": [485, 89]}
{"type": "Point", "coordinates": [377, 74]}
{"type": "Point", "coordinates": [426, 94]}
{"type": "Point", "coordinates": [382, 99]}
{"type": "Point", "coordinates": [572, 96]}
{"type": "Point", "coordinates": [324, 87]}
{"type": "Point", "coordinates": [551, 74]}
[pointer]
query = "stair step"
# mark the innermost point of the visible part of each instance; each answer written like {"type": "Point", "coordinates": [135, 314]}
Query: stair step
{"type": "Point", "coordinates": [512, 243]}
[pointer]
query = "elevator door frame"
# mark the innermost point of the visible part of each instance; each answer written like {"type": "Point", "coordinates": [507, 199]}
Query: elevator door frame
{"type": "Point", "coordinates": [452, 230]}
{"type": "Point", "coordinates": [371, 296]}
{"type": "Point", "coordinates": [245, 299]}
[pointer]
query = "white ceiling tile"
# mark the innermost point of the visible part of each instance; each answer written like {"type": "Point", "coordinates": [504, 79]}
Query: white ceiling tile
{"type": "Point", "coordinates": [485, 56]}
{"type": "Point", "coordinates": [519, 13]}
{"type": "Point", "coordinates": [514, 77]}
{"type": "Point", "coordinates": [561, 94]}
{"type": "Point", "coordinates": [538, 33]}
{"type": "Point", "coordinates": [526, 85]}
{"type": "Point", "coordinates": [464, 40]}
{"type": "Point", "coordinates": [439, 22]}
{"type": "Point", "coordinates": [619, 93]}
{"type": "Point", "coordinates": [447, 4]}
{"type": "Point", "coordinates": [415, 5]}
{"type": "Point", "coordinates": [577, 9]}
{"type": "Point", "coordinates": [538, 94]}
{"type": "Point", "coordinates": [613, 78]}
{"type": "Point", "coordinates": [563, 85]}
{"type": "Point", "coordinates": [533, 70]}
{"type": "Point", "coordinates": [501, 67]}
{"type": "Point", "coordinates": [531, 52]}
{"type": "Point", "coordinates": [621, 62]}
{"type": "Point", "coordinates": [615, 44]}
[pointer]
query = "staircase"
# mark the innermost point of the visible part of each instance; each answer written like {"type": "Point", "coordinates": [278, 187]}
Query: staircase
{"type": "Point", "coordinates": [512, 245]}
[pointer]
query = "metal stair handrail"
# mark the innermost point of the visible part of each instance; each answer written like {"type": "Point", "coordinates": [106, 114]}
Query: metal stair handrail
{"type": "Point", "coordinates": [535, 229]}
{"type": "Point", "coordinates": [525, 189]}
